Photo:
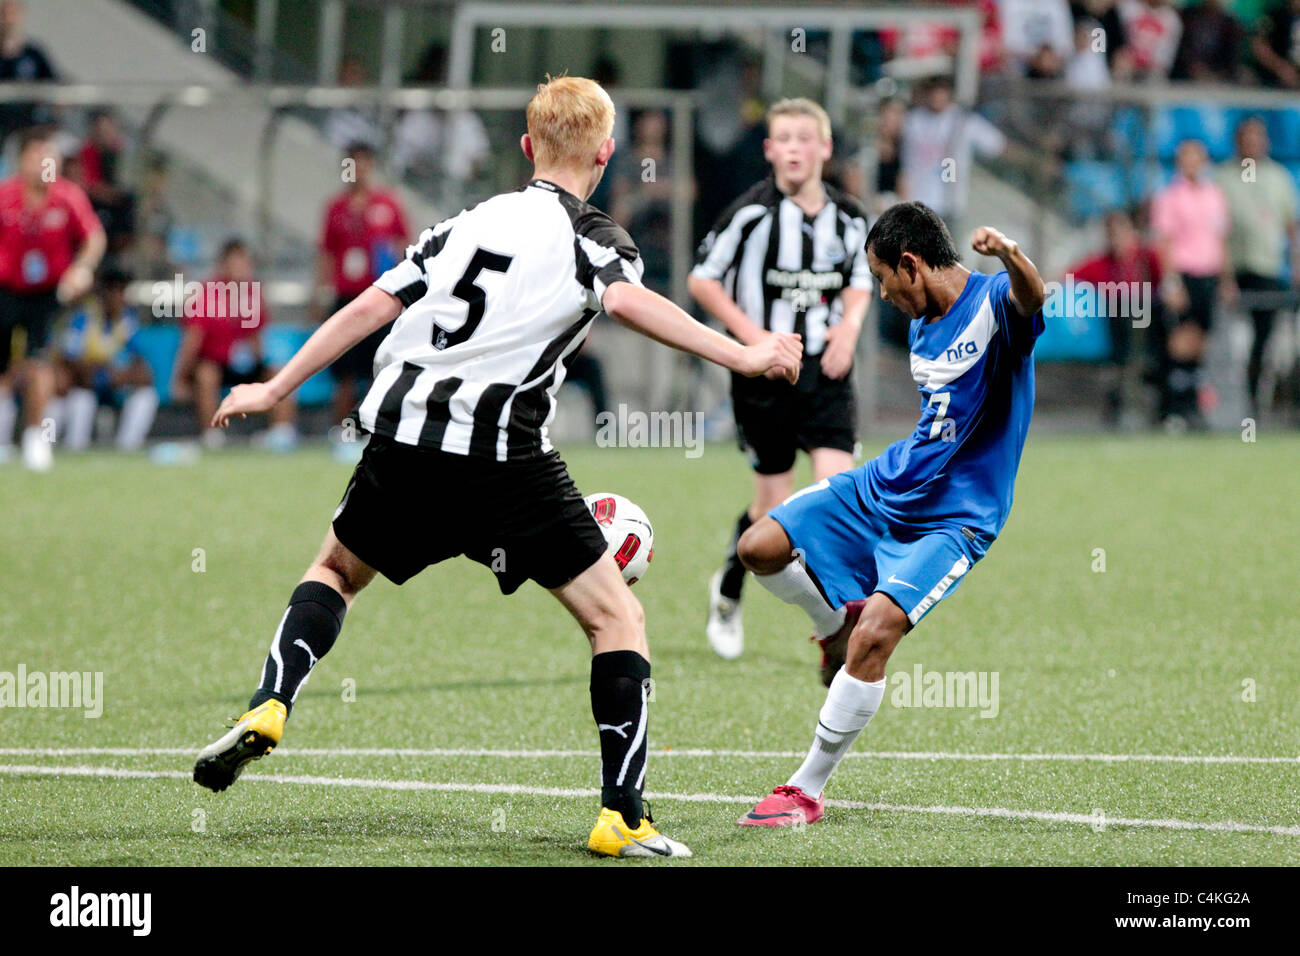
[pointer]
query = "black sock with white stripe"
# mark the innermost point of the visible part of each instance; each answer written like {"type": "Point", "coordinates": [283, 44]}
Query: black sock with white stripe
{"type": "Point", "coordinates": [310, 625]}
{"type": "Point", "coordinates": [620, 685]}
{"type": "Point", "coordinates": [733, 572]}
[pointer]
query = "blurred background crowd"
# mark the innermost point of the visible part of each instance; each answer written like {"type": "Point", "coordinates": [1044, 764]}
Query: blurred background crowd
{"type": "Point", "coordinates": [1144, 144]}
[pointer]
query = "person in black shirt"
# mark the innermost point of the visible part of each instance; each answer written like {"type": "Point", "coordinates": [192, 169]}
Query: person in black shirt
{"type": "Point", "coordinates": [21, 62]}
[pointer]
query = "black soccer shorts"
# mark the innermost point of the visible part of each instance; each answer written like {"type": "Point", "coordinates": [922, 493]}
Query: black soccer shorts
{"type": "Point", "coordinates": [34, 314]}
{"type": "Point", "coordinates": [775, 419]}
{"type": "Point", "coordinates": [408, 507]}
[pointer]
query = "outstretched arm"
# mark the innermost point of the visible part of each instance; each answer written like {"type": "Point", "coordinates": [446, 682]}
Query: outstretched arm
{"type": "Point", "coordinates": [369, 311]}
{"type": "Point", "coordinates": [656, 317]}
{"type": "Point", "coordinates": [1027, 293]}
{"type": "Point", "coordinates": [711, 294]}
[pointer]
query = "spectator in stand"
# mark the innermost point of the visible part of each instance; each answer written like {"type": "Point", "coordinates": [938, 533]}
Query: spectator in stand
{"type": "Point", "coordinates": [1211, 47]}
{"type": "Point", "coordinates": [363, 236]}
{"type": "Point", "coordinates": [1087, 72]}
{"type": "Point", "coordinates": [222, 347]}
{"type": "Point", "coordinates": [1104, 15]}
{"type": "Point", "coordinates": [100, 365]}
{"type": "Point", "coordinates": [1190, 221]}
{"type": "Point", "coordinates": [154, 221]}
{"type": "Point", "coordinates": [1036, 33]}
{"type": "Point", "coordinates": [21, 61]}
{"type": "Point", "coordinates": [606, 72]}
{"type": "Point", "coordinates": [101, 160]}
{"type": "Point", "coordinates": [940, 141]}
{"type": "Point", "coordinates": [1152, 30]}
{"type": "Point", "coordinates": [437, 146]}
{"type": "Point", "coordinates": [50, 245]}
{"type": "Point", "coordinates": [353, 123]}
{"type": "Point", "coordinates": [885, 155]}
{"type": "Point", "coordinates": [1126, 261]}
{"type": "Point", "coordinates": [1263, 208]}
{"type": "Point", "coordinates": [730, 131]}
{"type": "Point", "coordinates": [641, 188]}
{"type": "Point", "coordinates": [1276, 45]}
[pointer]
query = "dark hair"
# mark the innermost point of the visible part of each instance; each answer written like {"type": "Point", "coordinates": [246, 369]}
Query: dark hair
{"type": "Point", "coordinates": [359, 147]}
{"type": "Point", "coordinates": [916, 228]}
{"type": "Point", "coordinates": [232, 245]}
{"type": "Point", "coordinates": [34, 134]}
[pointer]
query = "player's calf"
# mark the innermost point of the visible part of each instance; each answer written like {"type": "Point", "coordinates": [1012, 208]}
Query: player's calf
{"type": "Point", "coordinates": [880, 627]}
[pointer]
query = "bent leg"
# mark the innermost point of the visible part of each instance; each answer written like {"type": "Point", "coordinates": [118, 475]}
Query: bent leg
{"type": "Point", "coordinates": [766, 550]}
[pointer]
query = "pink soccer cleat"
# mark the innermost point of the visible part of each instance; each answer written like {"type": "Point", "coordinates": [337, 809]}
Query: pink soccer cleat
{"type": "Point", "coordinates": [787, 806]}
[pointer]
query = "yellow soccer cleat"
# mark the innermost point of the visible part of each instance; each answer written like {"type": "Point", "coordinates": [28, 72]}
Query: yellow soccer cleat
{"type": "Point", "coordinates": [254, 735]}
{"type": "Point", "coordinates": [611, 836]}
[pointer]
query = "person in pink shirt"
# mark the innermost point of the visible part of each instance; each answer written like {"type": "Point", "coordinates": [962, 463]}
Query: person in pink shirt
{"type": "Point", "coordinates": [1189, 219]}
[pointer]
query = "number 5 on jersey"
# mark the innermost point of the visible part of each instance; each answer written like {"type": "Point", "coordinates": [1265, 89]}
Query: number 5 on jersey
{"type": "Point", "coordinates": [472, 295]}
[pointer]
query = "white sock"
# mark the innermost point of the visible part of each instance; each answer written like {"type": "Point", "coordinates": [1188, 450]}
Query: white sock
{"type": "Point", "coordinates": [137, 417]}
{"type": "Point", "coordinates": [8, 417]}
{"type": "Point", "coordinates": [793, 585]}
{"type": "Point", "coordinates": [79, 407]}
{"type": "Point", "coordinates": [850, 705]}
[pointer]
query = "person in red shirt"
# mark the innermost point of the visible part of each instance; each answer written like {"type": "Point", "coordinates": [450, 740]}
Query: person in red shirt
{"type": "Point", "coordinates": [50, 245]}
{"type": "Point", "coordinates": [222, 346]}
{"type": "Point", "coordinates": [1125, 260]}
{"type": "Point", "coordinates": [101, 158]}
{"type": "Point", "coordinates": [363, 236]}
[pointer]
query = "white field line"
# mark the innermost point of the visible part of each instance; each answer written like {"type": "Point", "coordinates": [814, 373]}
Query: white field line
{"type": "Point", "coordinates": [657, 753]}
{"type": "Point", "coordinates": [1045, 816]}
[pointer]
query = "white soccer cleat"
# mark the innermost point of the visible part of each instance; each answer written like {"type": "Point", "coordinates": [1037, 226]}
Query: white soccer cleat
{"type": "Point", "coordinates": [37, 453]}
{"type": "Point", "coordinates": [725, 630]}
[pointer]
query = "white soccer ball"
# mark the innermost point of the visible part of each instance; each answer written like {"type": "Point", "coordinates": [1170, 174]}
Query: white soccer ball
{"type": "Point", "coordinates": [627, 529]}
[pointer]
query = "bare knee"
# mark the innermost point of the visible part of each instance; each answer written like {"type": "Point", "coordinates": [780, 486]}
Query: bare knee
{"type": "Point", "coordinates": [764, 548]}
{"type": "Point", "coordinates": [878, 631]}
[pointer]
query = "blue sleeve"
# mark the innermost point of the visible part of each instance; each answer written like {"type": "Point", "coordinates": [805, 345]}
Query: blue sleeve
{"type": "Point", "coordinates": [1014, 330]}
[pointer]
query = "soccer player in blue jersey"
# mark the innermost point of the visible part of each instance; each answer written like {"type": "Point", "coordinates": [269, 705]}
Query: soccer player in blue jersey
{"type": "Point", "coordinates": [869, 552]}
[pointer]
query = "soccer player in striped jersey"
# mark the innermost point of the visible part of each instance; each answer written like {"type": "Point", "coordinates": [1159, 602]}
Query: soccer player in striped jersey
{"type": "Point", "coordinates": [490, 306]}
{"type": "Point", "coordinates": [787, 256]}
{"type": "Point", "coordinates": [869, 552]}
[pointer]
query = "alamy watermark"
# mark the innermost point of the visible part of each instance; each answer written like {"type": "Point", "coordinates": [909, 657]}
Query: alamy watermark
{"type": "Point", "coordinates": [1082, 299]}
{"type": "Point", "coordinates": [213, 299]}
{"type": "Point", "coordinates": [922, 688]}
{"type": "Point", "coordinates": [75, 690]}
{"type": "Point", "coordinates": [637, 429]}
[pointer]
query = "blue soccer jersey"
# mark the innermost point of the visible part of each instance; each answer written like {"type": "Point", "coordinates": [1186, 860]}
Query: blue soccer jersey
{"type": "Point", "coordinates": [911, 522]}
{"type": "Point", "coordinates": [974, 368]}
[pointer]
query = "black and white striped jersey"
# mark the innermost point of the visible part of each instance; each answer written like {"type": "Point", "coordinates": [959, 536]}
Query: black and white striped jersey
{"type": "Point", "coordinates": [498, 299]}
{"type": "Point", "coordinates": [784, 268]}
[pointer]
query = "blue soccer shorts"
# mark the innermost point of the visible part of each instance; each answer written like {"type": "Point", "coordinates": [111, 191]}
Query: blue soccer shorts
{"type": "Point", "coordinates": [851, 551]}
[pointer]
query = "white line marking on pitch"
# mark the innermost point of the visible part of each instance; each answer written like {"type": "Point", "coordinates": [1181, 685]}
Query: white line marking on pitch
{"type": "Point", "coordinates": [1046, 816]}
{"type": "Point", "coordinates": [750, 754]}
